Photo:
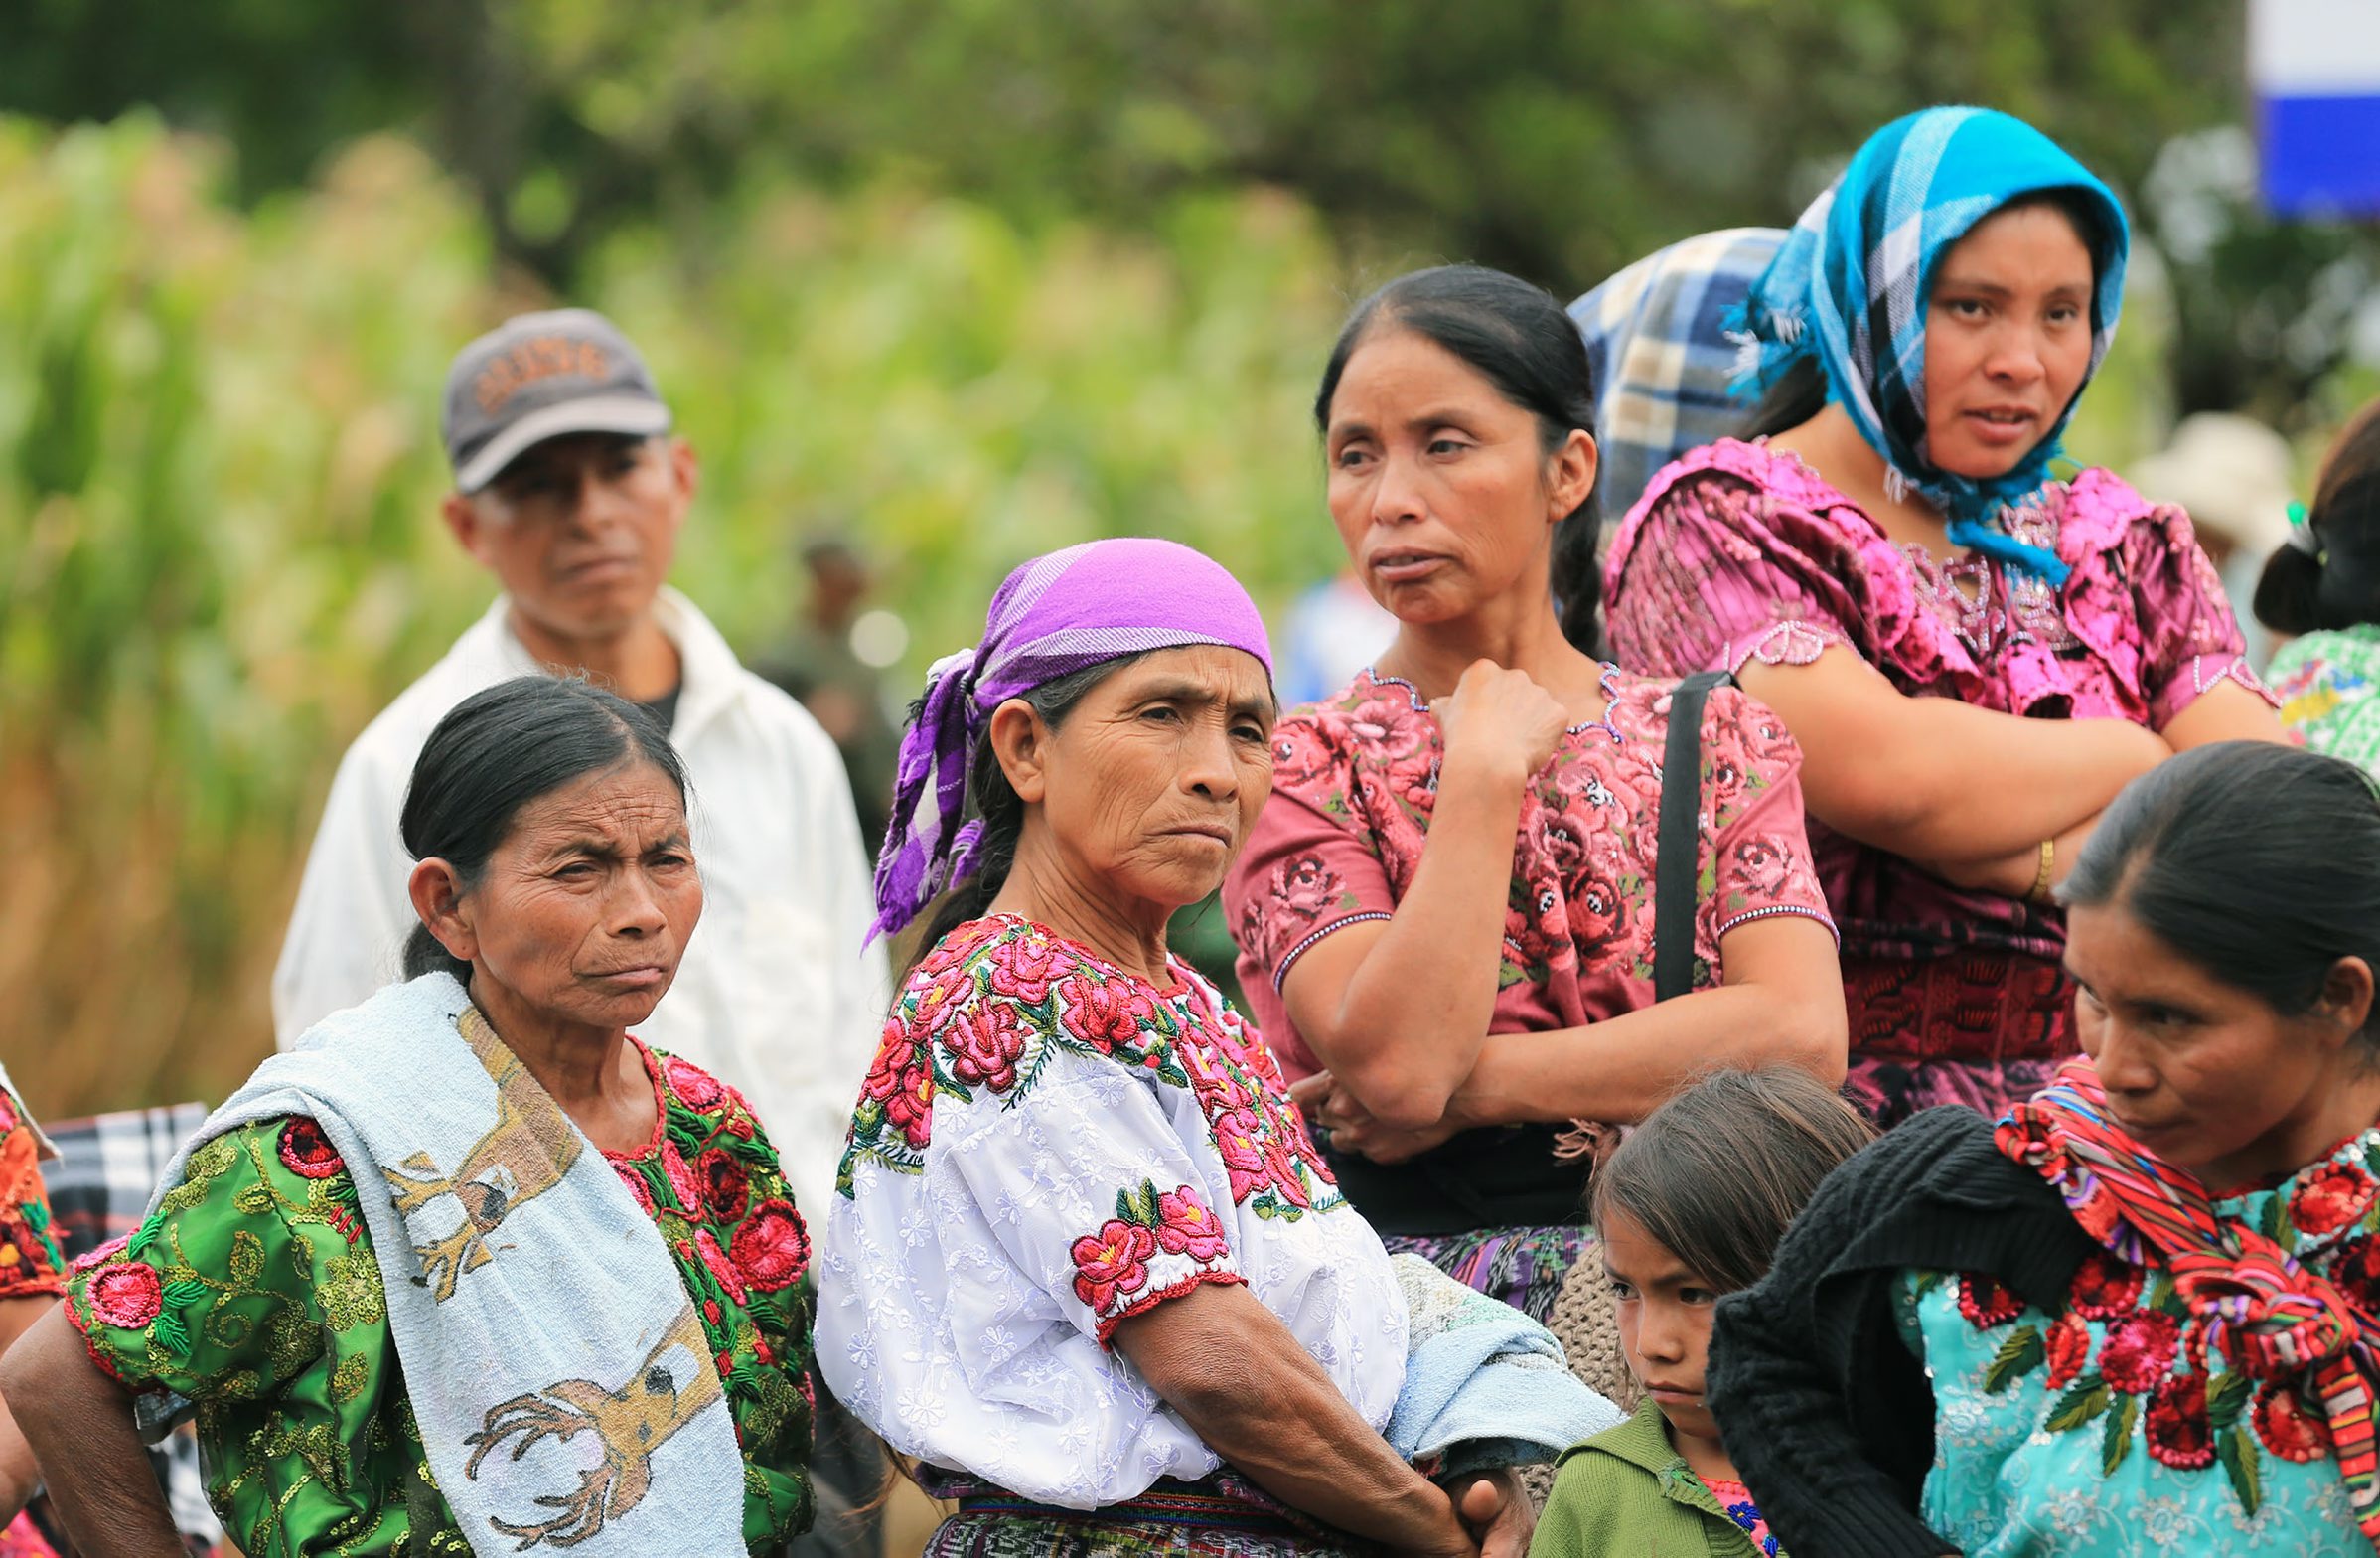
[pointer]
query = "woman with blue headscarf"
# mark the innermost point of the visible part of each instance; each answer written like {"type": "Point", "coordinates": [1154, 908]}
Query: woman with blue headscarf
{"type": "Point", "coordinates": [1975, 655]}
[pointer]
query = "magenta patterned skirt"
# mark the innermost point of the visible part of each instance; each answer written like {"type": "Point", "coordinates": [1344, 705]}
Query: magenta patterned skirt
{"type": "Point", "coordinates": [1979, 1030]}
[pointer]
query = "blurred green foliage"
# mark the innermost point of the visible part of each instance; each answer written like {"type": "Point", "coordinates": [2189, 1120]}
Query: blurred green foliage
{"type": "Point", "coordinates": [220, 469]}
{"type": "Point", "coordinates": [1555, 138]}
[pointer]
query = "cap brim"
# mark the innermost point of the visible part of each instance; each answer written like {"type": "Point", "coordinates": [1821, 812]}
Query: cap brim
{"type": "Point", "coordinates": [598, 414]}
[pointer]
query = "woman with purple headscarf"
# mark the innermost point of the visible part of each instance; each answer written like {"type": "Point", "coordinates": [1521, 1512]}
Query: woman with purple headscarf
{"type": "Point", "coordinates": [1084, 1266]}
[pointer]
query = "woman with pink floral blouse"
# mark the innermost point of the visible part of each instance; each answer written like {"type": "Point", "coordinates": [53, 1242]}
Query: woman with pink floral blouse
{"type": "Point", "coordinates": [1447, 904]}
{"type": "Point", "coordinates": [1975, 656]}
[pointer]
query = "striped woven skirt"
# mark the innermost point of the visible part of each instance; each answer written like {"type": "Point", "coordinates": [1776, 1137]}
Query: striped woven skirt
{"type": "Point", "coordinates": [1219, 1516]}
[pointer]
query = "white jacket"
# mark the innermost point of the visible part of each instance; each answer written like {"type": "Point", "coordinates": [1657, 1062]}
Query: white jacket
{"type": "Point", "coordinates": [775, 995]}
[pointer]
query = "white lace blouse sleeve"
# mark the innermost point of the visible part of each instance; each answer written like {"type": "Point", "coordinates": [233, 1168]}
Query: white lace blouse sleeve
{"type": "Point", "coordinates": [967, 1307]}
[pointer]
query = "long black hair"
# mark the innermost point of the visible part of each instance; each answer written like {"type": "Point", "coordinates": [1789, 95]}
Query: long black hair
{"type": "Point", "coordinates": [2259, 864]}
{"type": "Point", "coordinates": [1517, 337]}
{"type": "Point", "coordinates": [497, 751]}
{"type": "Point", "coordinates": [2337, 584]}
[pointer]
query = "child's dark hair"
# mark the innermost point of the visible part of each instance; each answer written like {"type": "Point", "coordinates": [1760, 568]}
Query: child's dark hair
{"type": "Point", "coordinates": [2337, 584]}
{"type": "Point", "coordinates": [1719, 1172]}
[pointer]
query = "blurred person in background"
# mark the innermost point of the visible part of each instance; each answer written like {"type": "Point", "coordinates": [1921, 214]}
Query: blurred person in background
{"type": "Point", "coordinates": [472, 1269]}
{"type": "Point", "coordinates": [2322, 585]}
{"type": "Point", "coordinates": [570, 490]}
{"type": "Point", "coordinates": [1975, 656]}
{"type": "Point", "coordinates": [820, 665]}
{"type": "Point", "coordinates": [1334, 630]}
{"type": "Point", "coordinates": [2232, 475]}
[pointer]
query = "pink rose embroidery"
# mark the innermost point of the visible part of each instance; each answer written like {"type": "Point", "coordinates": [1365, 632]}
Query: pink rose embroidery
{"type": "Point", "coordinates": [720, 1266]}
{"type": "Point", "coordinates": [1186, 1225]}
{"type": "Point", "coordinates": [1025, 969]}
{"type": "Point", "coordinates": [1105, 1014]}
{"type": "Point", "coordinates": [1112, 1262]}
{"type": "Point", "coordinates": [1238, 1141]}
{"type": "Point", "coordinates": [683, 1183]}
{"type": "Point", "coordinates": [772, 1247]}
{"type": "Point", "coordinates": [126, 1294]}
{"type": "Point", "coordinates": [634, 1178]}
{"type": "Point", "coordinates": [2139, 1350]}
{"type": "Point", "coordinates": [306, 1152]}
{"type": "Point", "coordinates": [696, 1088]}
{"type": "Point", "coordinates": [984, 1045]}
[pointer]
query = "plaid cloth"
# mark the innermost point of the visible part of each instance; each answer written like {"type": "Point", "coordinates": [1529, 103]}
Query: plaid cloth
{"type": "Point", "coordinates": [99, 1187]}
{"type": "Point", "coordinates": [1656, 339]}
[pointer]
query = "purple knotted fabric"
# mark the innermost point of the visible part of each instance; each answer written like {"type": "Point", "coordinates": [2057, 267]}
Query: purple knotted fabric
{"type": "Point", "coordinates": [1053, 616]}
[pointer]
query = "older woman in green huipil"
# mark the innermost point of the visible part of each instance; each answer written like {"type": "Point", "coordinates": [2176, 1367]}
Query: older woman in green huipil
{"type": "Point", "coordinates": [473, 1269]}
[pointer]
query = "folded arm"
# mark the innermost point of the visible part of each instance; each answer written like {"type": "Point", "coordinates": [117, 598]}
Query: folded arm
{"type": "Point", "coordinates": [1936, 780]}
{"type": "Point", "coordinates": [1242, 1383]}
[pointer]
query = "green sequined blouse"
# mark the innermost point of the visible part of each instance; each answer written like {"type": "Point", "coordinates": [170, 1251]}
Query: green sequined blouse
{"type": "Point", "coordinates": [253, 1291]}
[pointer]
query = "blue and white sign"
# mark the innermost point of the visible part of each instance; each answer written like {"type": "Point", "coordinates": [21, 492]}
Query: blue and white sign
{"type": "Point", "coordinates": [2314, 69]}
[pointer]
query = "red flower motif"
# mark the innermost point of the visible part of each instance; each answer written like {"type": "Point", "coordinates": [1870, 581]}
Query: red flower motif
{"type": "Point", "coordinates": [1105, 1014]}
{"type": "Point", "coordinates": [890, 1069]}
{"type": "Point", "coordinates": [1113, 1261]}
{"type": "Point", "coordinates": [2287, 1427]}
{"type": "Point", "coordinates": [101, 1255]}
{"type": "Point", "coordinates": [2139, 1350]}
{"type": "Point", "coordinates": [1027, 966]}
{"type": "Point", "coordinates": [720, 1266]}
{"type": "Point", "coordinates": [2329, 1197]}
{"type": "Point", "coordinates": [683, 1183]}
{"type": "Point", "coordinates": [1986, 1303]}
{"type": "Point", "coordinates": [2069, 1348]}
{"type": "Point", "coordinates": [634, 1178]}
{"type": "Point", "coordinates": [2104, 1287]}
{"type": "Point", "coordinates": [771, 1247]}
{"type": "Point", "coordinates": [306, 1152]}
{"type": "Point", "coordinates": [1238, 1142]}
{"type": "Point", "coordinates": [1186, 1225]}
{"type": "Point", "coordinates": [2180, 1432]}
{"type": "Point", "coordinates": [911, 1107]}
{"type": "Point", "coordinates": [695, 1088]}
{"type": "Point", "coordinates": [985, 1044]}
{"type": "Point", "coordinates": [1598, 915]}
{"type": "Point", "coordinates": [726, 1183]}
{"type": "Point", "coordinates": [727, 1367]}
{"type": "Point", "coordinates": [2355, 1271]}
{"type": "Point", "coordinates": [126, 1294]}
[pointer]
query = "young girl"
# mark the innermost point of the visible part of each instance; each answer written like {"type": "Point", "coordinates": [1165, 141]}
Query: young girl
{"type": "Point", "coordinates": [1689, 1207]}
{"type": "Point", "coordinates": [2323, 586]}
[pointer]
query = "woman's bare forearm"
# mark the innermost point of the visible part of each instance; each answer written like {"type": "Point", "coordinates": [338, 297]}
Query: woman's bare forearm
{"type": "Point", "coordinates": [1242, 1382]}
{"type": "Point", "coordinates": [79, 1424]}
{"type": "Point", "coordinates": [1934, 779]}
{"type": "Point", "coordinates": [1396, 1012]}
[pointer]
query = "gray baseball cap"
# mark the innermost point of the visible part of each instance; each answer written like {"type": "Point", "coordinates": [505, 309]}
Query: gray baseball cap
{"type": "Point", "coordinates": [543, 375]}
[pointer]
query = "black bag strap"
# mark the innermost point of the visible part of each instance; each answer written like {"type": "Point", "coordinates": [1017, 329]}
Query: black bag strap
{"type": "Point", "coordinates": [1678, 859]}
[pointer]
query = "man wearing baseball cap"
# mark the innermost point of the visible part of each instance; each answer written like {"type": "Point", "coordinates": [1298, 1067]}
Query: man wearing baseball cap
{"type": "Point", "coordinates": [571, 491]}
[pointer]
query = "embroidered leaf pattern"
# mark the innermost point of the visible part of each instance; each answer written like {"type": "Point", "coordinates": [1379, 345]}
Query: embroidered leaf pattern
{"type": "Point", "coordinates": [2018, 1356]}
{"type": "Point", "coordinates": [2084, 1400]}
{"type": "Point", "coordinates": [2239, 1456]}
{"type": "Point", "coordinates": [2115, 1441]}
{"type": "Point", "coordinates": [2227, 1397]}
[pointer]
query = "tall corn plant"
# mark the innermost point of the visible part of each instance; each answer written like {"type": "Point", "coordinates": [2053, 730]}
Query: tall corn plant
{"type": "Point", "coordinates": [219, 476]}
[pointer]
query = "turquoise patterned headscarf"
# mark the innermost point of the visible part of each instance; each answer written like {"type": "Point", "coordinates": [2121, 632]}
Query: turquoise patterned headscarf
{"type": "Point", "coordinates": [1850, 288]}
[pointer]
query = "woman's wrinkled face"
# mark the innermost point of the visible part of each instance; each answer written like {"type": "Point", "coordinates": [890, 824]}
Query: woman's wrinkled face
{"type": "Point", "coordinates": [1150, 785]}
{"type": "Point", "coordinates": [2008, 339]}
{"type": "Point", "coordinates": [2206, 1075]}
{"type": "Point", "coordinates": [582, 913]}
{"type": "Point", "coordinates": [1442, 487]}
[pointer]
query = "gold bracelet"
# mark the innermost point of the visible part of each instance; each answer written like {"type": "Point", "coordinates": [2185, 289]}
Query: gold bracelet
{"type": "Point", "coordinates": [2041, 888]}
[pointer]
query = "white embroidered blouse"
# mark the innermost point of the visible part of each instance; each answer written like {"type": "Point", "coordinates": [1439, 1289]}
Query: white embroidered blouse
{"type": "Point", "coordinates": [1045, 1146]}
